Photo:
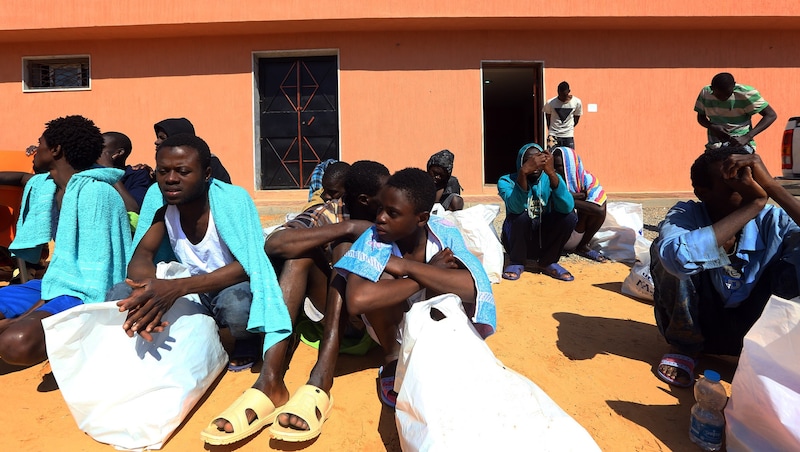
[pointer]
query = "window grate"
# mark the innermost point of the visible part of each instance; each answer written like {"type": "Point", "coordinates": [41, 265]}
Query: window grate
{"type": "Point", "coordinates": [57, 73]}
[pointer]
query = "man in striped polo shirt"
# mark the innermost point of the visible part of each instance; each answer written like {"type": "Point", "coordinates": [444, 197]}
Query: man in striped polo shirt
{"type": "Point", "coordinates": [725, 108]}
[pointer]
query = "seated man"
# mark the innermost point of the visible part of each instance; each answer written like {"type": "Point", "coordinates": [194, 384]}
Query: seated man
{"type": "Point", "coordinates": [134, 184]}
{"type": "Point", "coordinates": [303, 250]}
{"type": "Point", "coordinates": [213, 229]}
{"type": "Point", "coordinates": [173, 126]}
{"type": "Point", "coordinates": [716, 262]}
{"type": "Point", "coordinates": [539, 217]}
{"type": "Point", "coordinates": [409, 256]}
{"type": "Point", "coordinates": [448, 190]}
{"type": "Point", "coordinates": [590, 201]}
{"type": "Point", "coordinates": [72, 202]}
{"type": "Point", "coordinates": [332, 185]}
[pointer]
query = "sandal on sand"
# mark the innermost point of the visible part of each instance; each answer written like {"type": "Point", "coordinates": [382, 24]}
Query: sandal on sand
{"type": "Point", "coordinates": [309, 403]}
{"type": "Point", "coordinates": [557, 272]}
{"type": "Point", "coordinates": [513, 272]}
{"type": "Point", "coordinates": [386, 389]}
{"type": "Point", "coordinates": [593, 255]}
{"type": "Point", "coordinates": [683, 363]}
{"type": "Point", "coordinates": [236, 414]}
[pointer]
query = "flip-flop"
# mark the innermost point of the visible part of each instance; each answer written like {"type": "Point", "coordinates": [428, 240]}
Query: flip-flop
{"type": "Point", "coordinates": [244, 349]}
{"type": "Point", "coordinates": [556, 271]}
{"type": "Point", "coordinates": [236, 414]}
{"type": "Point", "coordinates": [593, 255]}
{"type": "Point", "coordinates": [682, 362]}
{"type": "Point", "coordinates": [386, 389]}
{"type": "Point", "coordinates": [512, 272]}
{"type": "Point", "coordinates": [309, 403]}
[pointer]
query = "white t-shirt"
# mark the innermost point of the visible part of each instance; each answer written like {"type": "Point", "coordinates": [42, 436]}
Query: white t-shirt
{"type": "Point", "coordinates": [562, 116]}
{"type": "Point", "coordinates": [204, 257]}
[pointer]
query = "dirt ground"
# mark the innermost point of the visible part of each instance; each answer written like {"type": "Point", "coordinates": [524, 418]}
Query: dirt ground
{"type": "Point", "coordinates": [589, 347]}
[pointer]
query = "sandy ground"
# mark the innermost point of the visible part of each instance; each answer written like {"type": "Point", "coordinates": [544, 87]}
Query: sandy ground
{"type": "Point", "coordinates": [589, 347]}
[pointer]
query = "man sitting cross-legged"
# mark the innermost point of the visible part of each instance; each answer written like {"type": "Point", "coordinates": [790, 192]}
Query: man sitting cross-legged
{"type": "Point", "coordinates": [303, 250]}
{"type": "Point", "coordinates": [71, 201]}
{"type": "Point", "coordinates": [213, 229]}
{"type": "Point", "coordinates": [409, 256]}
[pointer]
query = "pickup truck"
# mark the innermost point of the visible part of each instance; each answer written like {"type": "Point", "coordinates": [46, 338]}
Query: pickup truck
{"type": "Point", "coordinates": [790, 149]}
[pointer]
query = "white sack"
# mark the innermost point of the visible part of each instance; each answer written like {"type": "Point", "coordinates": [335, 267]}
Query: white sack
{"type": "Point", "coordinates": [620, 237]}
{"type": "Point", "coordinates": [639, 282]}
{"type": "Point", "coordinates": [454, 395]}
{"type": "Point", "coordinates": [763, 413]}
{"type": "Point", "coordinates": [128, 392]}
{"type": "Point", "coordinates": [476, 225]}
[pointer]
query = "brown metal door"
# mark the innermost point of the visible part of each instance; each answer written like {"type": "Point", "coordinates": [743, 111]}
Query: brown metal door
{"type": "Point", "coordinates": [299, 118]}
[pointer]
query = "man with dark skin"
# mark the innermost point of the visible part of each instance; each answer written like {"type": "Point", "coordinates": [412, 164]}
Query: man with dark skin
{"type": "Point", "coordinates": [134, 184]}
{"type": "Point", "coordinates": [426, 257]}
{"type": "Point", "coordinates": [539, 214]}
{"type": "Point", "coordinates": [725, 108]}
{"type": "Point", "coordinates": [183, 174]}
{"type": "Point", "coordinates": [305, 248]}
{"type": "Point", "coordinates": [563, 113]}
{"type": "Point", "coordinates": [86, 207]}
{"type": "Point", "coordinates": [589, 196]}
{"type": "Point", "coordinates": [716, 262]}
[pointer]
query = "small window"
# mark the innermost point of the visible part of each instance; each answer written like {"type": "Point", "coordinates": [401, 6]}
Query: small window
{"type": "Point", "coordinates": [55, 73]}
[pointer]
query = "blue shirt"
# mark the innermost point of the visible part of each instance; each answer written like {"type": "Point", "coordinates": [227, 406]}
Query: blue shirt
{"type": "Point", "coordinates": [687, 246]}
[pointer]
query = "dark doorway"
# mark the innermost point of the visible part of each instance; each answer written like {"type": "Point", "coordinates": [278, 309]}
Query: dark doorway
{"type": "Point", "coordinates": [512, 114]}
{"type": "Point", "coordinates": [298, 105]}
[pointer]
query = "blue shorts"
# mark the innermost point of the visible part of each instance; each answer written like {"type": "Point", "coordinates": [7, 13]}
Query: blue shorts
{"type": "Point", "coordinates": [15, 300]}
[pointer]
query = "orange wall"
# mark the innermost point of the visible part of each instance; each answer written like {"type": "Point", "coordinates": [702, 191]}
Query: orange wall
{"type": "Point", "coordinates": [28, 14]}
{"type": "Point", "coordinates": [407, 94]}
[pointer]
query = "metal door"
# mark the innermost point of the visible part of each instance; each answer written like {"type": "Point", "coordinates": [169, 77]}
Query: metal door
{"type": "Point", "coordinates": [299, 118]}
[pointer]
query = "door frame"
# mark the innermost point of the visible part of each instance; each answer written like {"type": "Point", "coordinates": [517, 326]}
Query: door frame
{"type": "Point", "coordinates": [256, 110]}
{"type": "Point", "coordinates": [539, 69]}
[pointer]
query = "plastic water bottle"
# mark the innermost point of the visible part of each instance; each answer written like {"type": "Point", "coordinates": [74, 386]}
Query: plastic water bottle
{"type": "Point", "coordinates": [708, 422]}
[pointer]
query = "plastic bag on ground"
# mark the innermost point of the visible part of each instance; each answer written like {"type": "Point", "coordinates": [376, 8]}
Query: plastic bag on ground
{"type": "Point", "coordinates": [476, 227]}
{"type": "Point", "coordinates": [127, 392]}
{"type": "Point", "coordinates": [639, 282]}
{"type": "Point", "coordinates": [620, 236]}
{"type": "Point", "coordinates": [764, 407]}
{"type": "Point", "coordinates": [454, 395]}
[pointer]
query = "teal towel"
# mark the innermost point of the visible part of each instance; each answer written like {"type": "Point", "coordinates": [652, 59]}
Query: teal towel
{"type": "Point", "coordinates": [37, 219]}
{"type": "Point", "coordinates": [93, 237]}
{"type": "Point", "coordinates": [239, 227]}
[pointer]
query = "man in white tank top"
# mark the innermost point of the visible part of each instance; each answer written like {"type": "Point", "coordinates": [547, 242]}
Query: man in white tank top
{"type": "Point", "coordinates": [183, 174]}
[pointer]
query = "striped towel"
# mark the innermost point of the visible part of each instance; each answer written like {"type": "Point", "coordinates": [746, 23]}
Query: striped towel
{"type": "Point", "coordinates": [578, 179]}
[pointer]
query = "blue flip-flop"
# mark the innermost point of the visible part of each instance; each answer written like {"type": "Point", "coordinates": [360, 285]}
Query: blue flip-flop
{"type": "Point", "coordinates": [593, 255]}
{"type": "Point", "coordinates": [512, 272]}
{"type": "Point", "coordinates": [248, 350]}
{"type": "Point", "coordinates": [558, 272]}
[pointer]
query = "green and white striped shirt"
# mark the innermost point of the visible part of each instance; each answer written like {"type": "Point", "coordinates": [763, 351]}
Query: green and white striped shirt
{"type": "Point", "coordinates": [733, 113]}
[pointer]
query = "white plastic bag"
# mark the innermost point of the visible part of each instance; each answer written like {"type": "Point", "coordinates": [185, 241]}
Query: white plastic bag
{"type": "Point", "coordinates": [639, 282]}
{"type": "Point", "coordinates": [763, 413]}
{"type": "Point", "coordinates": [128, 392]}
{"type": "Point", "coordinates": [620, 236]}
{"type": "Point", "coordinates": [476, 227]}
{"type": "Point", "coordinates": [454, 395]}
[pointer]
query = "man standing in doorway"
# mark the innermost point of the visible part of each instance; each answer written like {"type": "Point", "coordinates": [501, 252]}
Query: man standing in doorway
{"type": "Point", "coordinates": [563, 113]}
